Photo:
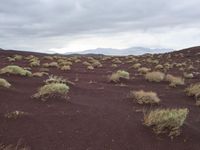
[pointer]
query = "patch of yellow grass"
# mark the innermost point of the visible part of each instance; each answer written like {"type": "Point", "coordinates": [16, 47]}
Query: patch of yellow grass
{"type": "Point", "coordinates": [174, 81]}
{"type": "Point", "coordinates": [155, 76]}
{"type": "Point", "coordinates": [143, 97]}
{"type": "Point", "coordinates": [4, 83]}
{"type": "Point", "coordinates": [51, 90]}
{"type": "Point", "coordinates": [166, 120]}
{"type": "Point", "coordinates": [13, 69]}
{"type": "Point", "coordinates": [120, 74]}
{"type": "Point", "coordinates": [144, 70]}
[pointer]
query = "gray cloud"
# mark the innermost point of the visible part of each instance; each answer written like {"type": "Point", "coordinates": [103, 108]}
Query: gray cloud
{"type": "Point", "coordinates": [24, 23]}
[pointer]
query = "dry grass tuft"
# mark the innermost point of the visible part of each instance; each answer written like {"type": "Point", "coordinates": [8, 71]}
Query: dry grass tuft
{"type": "Point", "coordinates": [155, 76]}
{"type": "Point", "coordinates": [144, 70]}
{"type": "Point", "coordinates": [174, 81]}
{"type": "Point", "coordinates": [143, 97]}
{"type": "Point", "coordinates": [13, 69]}
{"type": "Point", "coordinates": [194, 90]}
{"type": "Point", "coordinates": [15, 114]}
{"type": "Point", "coordinates": [166, 120]}
{"type": "Point", "coordinates": [120, 74]}
{"type": "Point", "coordinates": [51, 90]}
{"type": "Point", "coordinates": [4, 83]}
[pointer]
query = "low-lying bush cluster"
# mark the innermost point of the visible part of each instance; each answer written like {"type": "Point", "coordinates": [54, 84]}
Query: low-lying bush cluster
{"type": "Point", "coordinates": [166, 120]}
{"type": "Point", "coordinates": [194, 90]}
{"type": "Point", "coordinates": [54, 87]}
{"type": "Point", "coordinates": [143, 97]}
{"type": "Point", "coordinates": [16, 70]}
{"type": "Point", "coordinates": [120, 74]}
{"type": "Point", "coordinates": [4, 83]}
{"type": "Point", "coordinates": [174, 81]}
{"type": "Point", "coordinates": [155, 76]}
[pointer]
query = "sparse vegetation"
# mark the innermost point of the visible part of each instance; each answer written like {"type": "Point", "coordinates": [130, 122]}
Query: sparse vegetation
{"type": "Point", "coordinates": [15, 114]}
{"type": "Point", "coordinates": [16, 70]}
{"type": "Point", "coordinates": [143, 97]}
{"type": "Point", "coordinates": [166, 120]}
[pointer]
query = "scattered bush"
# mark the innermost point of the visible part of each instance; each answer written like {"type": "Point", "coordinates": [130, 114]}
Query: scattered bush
{"type": "Point", "coordinates": [90, 67]}
{"type": "Point", "coordinates": [188, 75]}
{"type": "Point", "coordinates": [51, 90]}
{"type": "Point", "coordinates": [174, 81]}
{"type": "Point", "coordinates": [39, 74]}
{"type": "Point", "coordinates": [155, 76]}
{"type": "Point", "coordinates": [15, 114]}
{"type": "Point", "coordinates": [18, 57]}
{"type": "Point", "coordinates": [120, 74]}
{"type": "Point", "coordinates": [194, 90]}
{"type": "Point", "coordinates": [4, 83]}
{"type": "Point", "coordinates": [65, 68]}
{"type": "Point", "coordinates": [144, 70]}
{"type": "Point", "coordinates": [143, 97]}
{"type": "Point", "coordinates": [12, 69]}
{"type": "Point", "coordinates": [166, 120]}
{"type": "Point", "coordinates": [136, 66]}
{"type": "Point", "coordinates": [159, 67]}
{"type": "Point", "coordinates": [12, 147]}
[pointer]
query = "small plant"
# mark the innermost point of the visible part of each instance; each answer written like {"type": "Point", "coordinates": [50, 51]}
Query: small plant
{"type": "Point", "coordinates": [143, 97]}
{"type": "Point", "coordinates": [144, 70]}
{"type": "Point", "coordinates": [90, 67]}
{"type": "Point", "coordinates": [18, 57]}
{"type": "Point", "coordinates": [174, 81]}
{"type": "Point", "coordinates": [188, 75]}
{"type": "Point", "coordinates": [53, 64]}
{"type": "Point", "coordinates": [114, 65]}
{"type": "Point", "coordinates": [65, 68]}
{"type": "Point", "coordinates": [136, 66]}
{"type": "Point", "coordinates": [120, 74]}
{"type": "Point", "coordinates": [159, 67]}
{"type": "Point", "coordinates": [51, 90]}
{"type": "Point", "coordinates": [4, 83]}
{"type": "Point", "coordinates": [166, 120]}
{"type": "Point", "coordinates": [155, 76]}
{"type": "Point", "coordinates": [58, 79]}
{"type": "Point", "coordinates": [86, 63]}
{"type": "Point", "coordinates": [194, 90]}
{"type": "Point", "coordinates": [16, 70]}
{"type": "Point", "coordinates": [39, 74]}
{"type": "Point", "coordinates": [19, 146]}
{"type": "Point", "coordinates": [15, 114]}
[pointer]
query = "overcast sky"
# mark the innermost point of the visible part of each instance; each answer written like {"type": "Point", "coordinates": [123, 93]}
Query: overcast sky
{"type": "Point", "coordinates": [74, 25]}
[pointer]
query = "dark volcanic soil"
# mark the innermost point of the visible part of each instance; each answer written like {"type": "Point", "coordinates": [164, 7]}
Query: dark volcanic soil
{"type": "Point", "coordinates": [98, 115]}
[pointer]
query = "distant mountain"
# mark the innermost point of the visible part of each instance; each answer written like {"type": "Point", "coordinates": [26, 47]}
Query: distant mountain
{"type": "Point", "coordinates": [123, 52]}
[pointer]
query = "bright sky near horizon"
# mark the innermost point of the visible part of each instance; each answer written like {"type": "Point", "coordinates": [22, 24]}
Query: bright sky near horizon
{"type": "Point", "coordinates": [75, 25]}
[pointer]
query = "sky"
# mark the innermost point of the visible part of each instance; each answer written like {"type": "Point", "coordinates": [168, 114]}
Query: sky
{"type": "Point", "coordinates": [75, 25]}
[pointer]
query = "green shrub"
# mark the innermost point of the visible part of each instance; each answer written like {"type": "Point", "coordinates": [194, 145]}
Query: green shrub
{"type": "Point", "coordinates": [13, 69]}
{"type": "Point", "coordinates": [51, 90]}
{"type": "Point", "coordinates": [166, 120]}
{"type": "Point", "coordinates": [4, 83]}
{"type": "Point", "coordinates": [143, 97]}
